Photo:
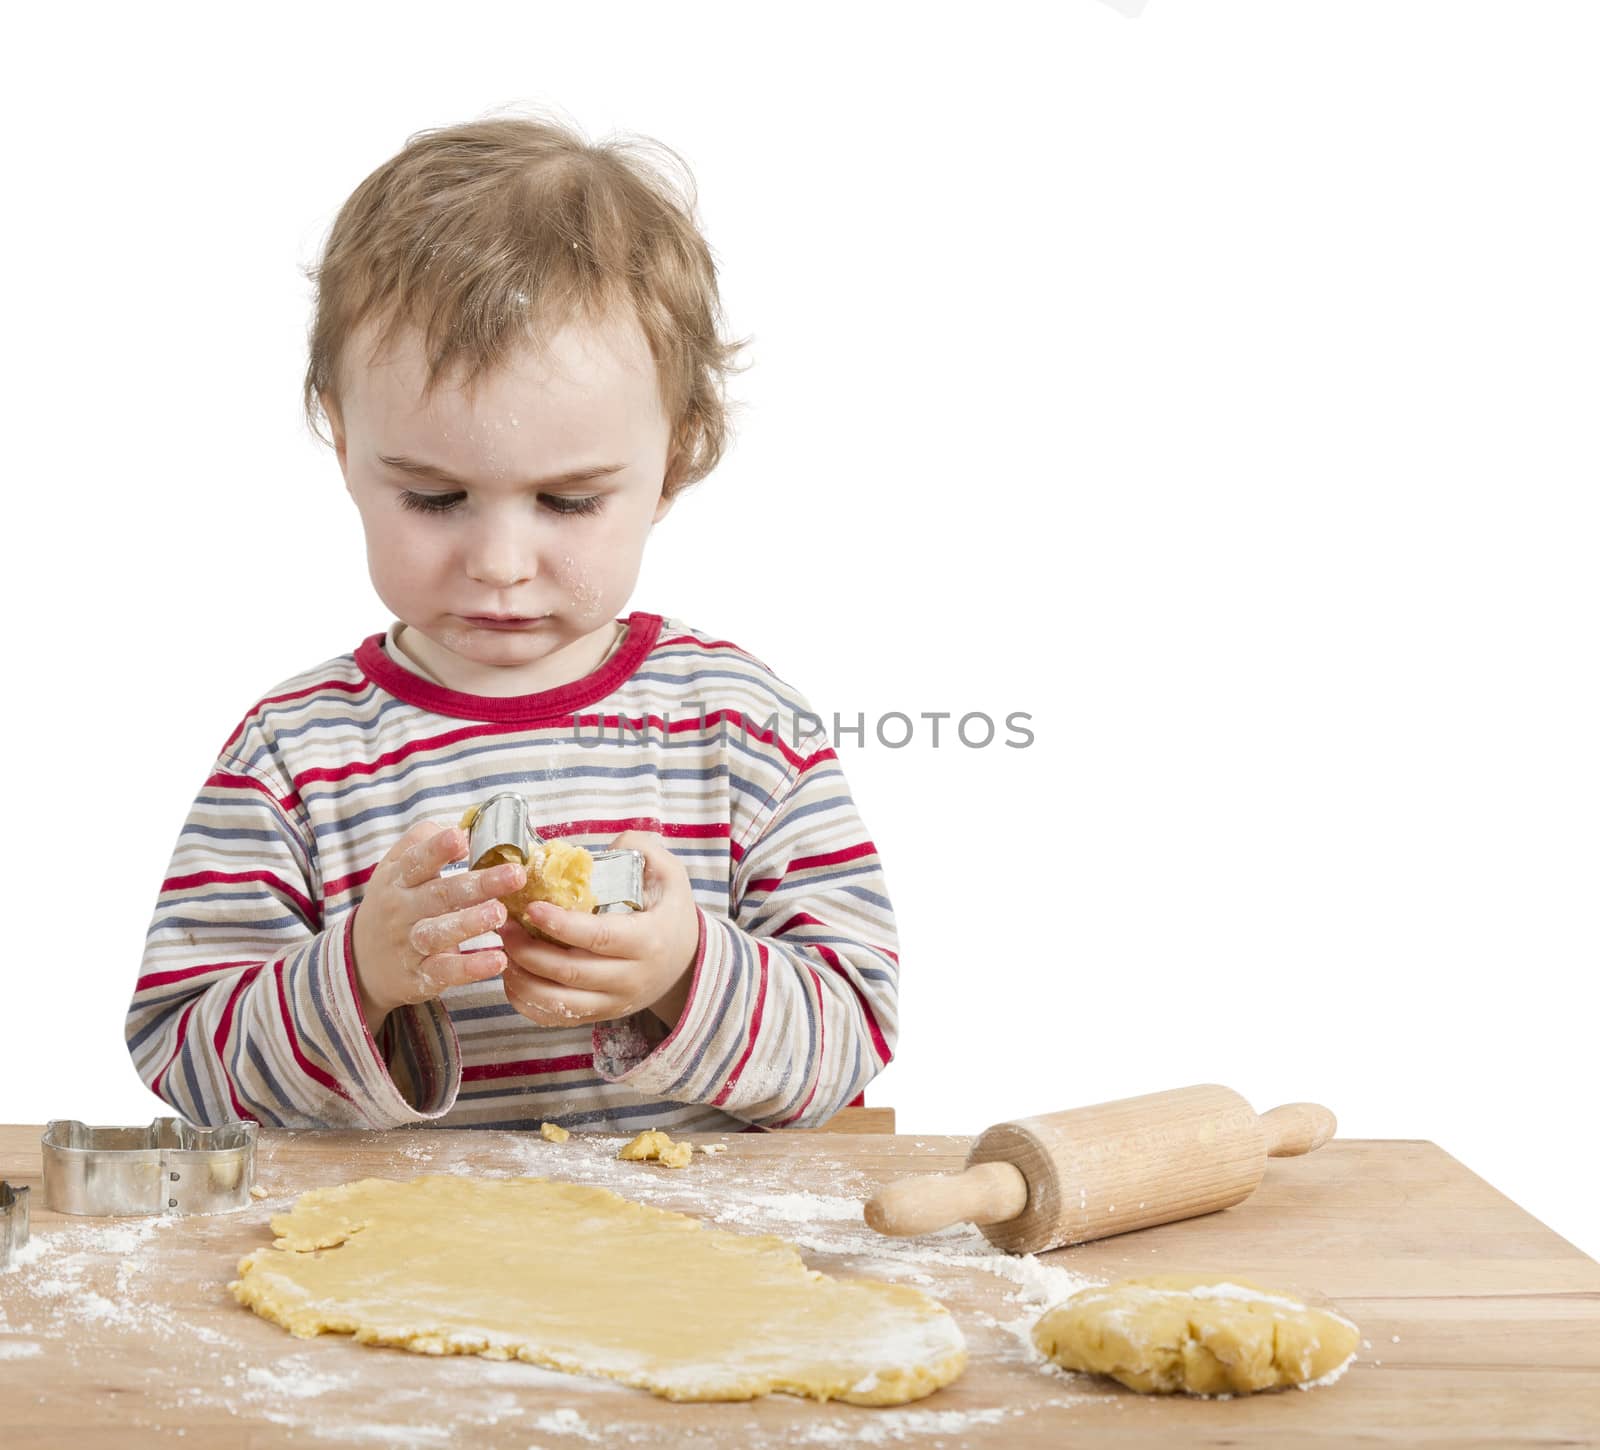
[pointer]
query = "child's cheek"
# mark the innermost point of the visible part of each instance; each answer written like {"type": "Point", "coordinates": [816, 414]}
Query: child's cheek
{"type": "Point", "coordinates": [407, 546]}
{"type": "Point", "coordinates": [578, 577]}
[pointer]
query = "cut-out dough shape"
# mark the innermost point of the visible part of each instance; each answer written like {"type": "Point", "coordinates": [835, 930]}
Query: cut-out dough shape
{"type": "Point", "coordinates": [576, 1278]}
{"type": "Point", "coordinates": [1196, 1333]}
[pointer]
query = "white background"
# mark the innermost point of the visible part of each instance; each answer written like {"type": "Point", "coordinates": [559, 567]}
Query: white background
{"type": "Point", "coordinates": [1216, 385]}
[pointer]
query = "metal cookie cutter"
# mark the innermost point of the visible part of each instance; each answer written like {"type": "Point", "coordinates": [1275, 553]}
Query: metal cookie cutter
{"type": "Point", "coordinates": [172, 1166]}
{"type": "Point", "coordinates": [13, 1221]}
{"type": "Point", "coordinates": [501, 826]}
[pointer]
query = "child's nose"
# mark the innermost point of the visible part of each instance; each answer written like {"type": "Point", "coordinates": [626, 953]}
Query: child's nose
{"type": "Point", "coordinates": [503, 551]}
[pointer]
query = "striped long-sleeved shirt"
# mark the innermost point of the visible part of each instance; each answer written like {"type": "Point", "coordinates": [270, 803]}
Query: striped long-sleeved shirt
{"type": "Point", "coordinates": [246, 1003]}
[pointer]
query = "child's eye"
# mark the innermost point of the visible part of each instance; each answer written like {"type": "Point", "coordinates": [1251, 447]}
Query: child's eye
{"type": "Point", "coordinates": [430, 503]}
{"type": "Point", "coordinates": [442, 503]}
{"type": "Point", "coordinates": [563, 504]}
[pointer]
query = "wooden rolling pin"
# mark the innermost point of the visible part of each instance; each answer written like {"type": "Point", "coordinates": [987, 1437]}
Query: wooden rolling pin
{"type": "Point", "coordinates": [1064, 1178]}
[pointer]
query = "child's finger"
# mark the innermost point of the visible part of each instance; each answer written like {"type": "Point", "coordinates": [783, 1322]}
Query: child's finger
{"type": "Point", "coordinates": [663, 871]}
{"type": "Point", "coordinates": [553, 1006]}
{"type": "Point", "coordinates": [456, 969]}
{"type": "Point", "coordinates": [560, 966]}
{"type": "Point", "coordinates": [468, 888]}
{"type": "Point", "coordinates": [427, 847]}
{"type": "Point", "coordinates": [605, 933]}
{"type": "Point", "coordinates": [440, 933]}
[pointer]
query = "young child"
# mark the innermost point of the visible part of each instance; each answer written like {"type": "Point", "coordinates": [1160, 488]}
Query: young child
{"type": "Point", "coordinates": [516, 345]}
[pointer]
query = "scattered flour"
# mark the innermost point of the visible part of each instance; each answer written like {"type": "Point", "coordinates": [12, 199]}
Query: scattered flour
{"type": "Point", "coordinates": [895, 1425]}
{"type": "Point", "coordinates": [804, 1207]}
{"type": "Point", "coordinates": [295, 1378]}
{"type": "Point", "coordinates": [565, 1422]}
{"type": "Point", "coordinates": [56, 1267]}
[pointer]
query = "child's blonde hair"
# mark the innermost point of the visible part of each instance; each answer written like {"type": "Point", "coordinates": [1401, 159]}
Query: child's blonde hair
{"type": "Point", "coordinates": [491, 235]}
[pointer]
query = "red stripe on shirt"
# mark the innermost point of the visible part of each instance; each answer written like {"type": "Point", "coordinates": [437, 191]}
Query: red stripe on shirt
{"type": "Point", "coordinates": [309, 1068]}
{"type": "Point", "coordinates": [755, 1027]}
{"type": "Point", "coordinates": [350, 687]}
{"type": "Point", "coordinates": [356, 768]}
{"type": "Point", "coordinates": [806, 863]}
{"type": "Point", "coordinates": [267, 878]}
{"type": "Point", "coordinates": [880, 1044]}
{"type": "Point", "coordinates": [710, 644]}
{"type": "Point", "coordinates": [832, 858]}
{"type": "Point", "coordinates": [182, 974]}
{"type": "Point", "coordinates": [530, 1067]}
{"type": "Point", "coordinates": [801, 918]}
{"type": "Point", "coordinates": [220, 1037]}
{"type": "Point", "coordinates": [821, 1043]}
{"type": "Point", "coordinates": [687, 830]}
{"type": "Point", "coordinates": [183, 1027]}
{"type": "Point", "coordinates": [249, 782]}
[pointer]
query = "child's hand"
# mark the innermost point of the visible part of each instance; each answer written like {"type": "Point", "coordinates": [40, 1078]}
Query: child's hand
{"type": "Point", "coordinates": [607, 965]}
{"type": "Point", "coordinates": [411, 920]}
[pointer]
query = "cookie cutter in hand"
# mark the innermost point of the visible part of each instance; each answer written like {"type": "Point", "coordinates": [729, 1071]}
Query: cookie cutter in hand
{"type": "Point", "coordinates": [13, 1221]}
{"type": "Point", "coordinates": [502, 823]}
{"type": "Point", "coordinates": [171, 1167]}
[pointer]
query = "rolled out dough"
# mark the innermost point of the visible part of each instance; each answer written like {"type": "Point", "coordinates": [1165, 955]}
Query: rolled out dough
{"type": "Point", "coordinates": [1196, 1333]}
{"type": "Point", "coordinates": [576, 1278]}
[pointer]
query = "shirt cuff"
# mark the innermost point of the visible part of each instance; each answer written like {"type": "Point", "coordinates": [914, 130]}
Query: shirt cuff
{"type": "Point", "coordinates": [415, 1076]}
{"type": "Point", "coordinates": [633, 1051]}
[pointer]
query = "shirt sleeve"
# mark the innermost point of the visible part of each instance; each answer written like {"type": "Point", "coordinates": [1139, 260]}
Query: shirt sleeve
{"type": "Point", "coordinates": [246, 1005]}
{"type": "Point", "coordinates": [793, 1003]}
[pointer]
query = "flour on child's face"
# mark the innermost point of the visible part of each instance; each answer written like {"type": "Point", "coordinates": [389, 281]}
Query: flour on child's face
{"type": "Point", "coordinates": [502, 547]}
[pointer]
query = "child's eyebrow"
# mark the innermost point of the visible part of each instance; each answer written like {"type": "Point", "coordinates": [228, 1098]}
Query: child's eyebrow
{"type": "Point", "coordinates": [434, 474]}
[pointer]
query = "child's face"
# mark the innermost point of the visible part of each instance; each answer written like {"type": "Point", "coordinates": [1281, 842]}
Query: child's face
{"type": "Point", "coordinates": [496, 527]}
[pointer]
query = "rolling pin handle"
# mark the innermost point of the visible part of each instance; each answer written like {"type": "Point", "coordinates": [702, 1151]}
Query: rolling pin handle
{"type": "Point", "coordinates": [1297, 1128]}
{"type": "Point", "coordinates": [987, 1193]}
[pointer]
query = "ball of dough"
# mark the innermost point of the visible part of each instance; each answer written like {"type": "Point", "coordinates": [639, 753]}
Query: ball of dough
{"type": "Point", "coordinates": [1199, 1334]}
{"type": "Point", "coordinates": [558, 872]}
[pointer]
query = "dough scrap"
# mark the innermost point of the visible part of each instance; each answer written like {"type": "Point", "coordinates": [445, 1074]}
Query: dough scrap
{"type": "Point", "coordinates": [1197, 1334]}
{"type": "Point", "coordinates": [553, 1133]}
{"type": "Point", "coordinates": [573, 1277]}
{"type": "Point", "coordinates": [653, 1144]}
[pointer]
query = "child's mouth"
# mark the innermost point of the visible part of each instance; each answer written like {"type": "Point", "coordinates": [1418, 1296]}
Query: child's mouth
{"type": "Point", "coordinates": [487, 621]}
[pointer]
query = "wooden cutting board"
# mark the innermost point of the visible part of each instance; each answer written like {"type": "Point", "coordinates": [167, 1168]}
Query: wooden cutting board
{"type": "Point", "coordinates": [1481, 1324]}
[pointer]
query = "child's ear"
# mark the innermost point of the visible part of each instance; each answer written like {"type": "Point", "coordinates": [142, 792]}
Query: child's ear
{"type": "Point", "coordinates": [669, 481]}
